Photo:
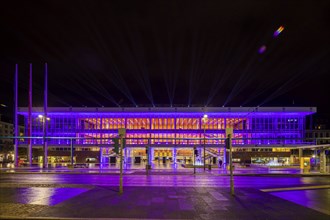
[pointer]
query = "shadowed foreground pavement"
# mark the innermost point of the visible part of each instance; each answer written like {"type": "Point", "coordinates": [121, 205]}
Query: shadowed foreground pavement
{"type": "Point", "coordinates": [160, 203]}
{"type": "Point", "coordinates": [205, 196]}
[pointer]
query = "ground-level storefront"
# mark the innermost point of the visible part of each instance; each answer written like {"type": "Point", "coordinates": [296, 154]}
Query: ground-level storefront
{"type": "Point", "coordinates": [176, 155]}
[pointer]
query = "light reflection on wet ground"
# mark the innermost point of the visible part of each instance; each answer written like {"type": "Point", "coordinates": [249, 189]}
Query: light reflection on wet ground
{"type": "Point", "coordinates": [22, 188]}
{"type": "Point", "coordinates": [314, 199]}
{"type": "Point", "coordinates": [199, 180]}
{"type": "Point", "coordinates": [216, 171]}
{"type": "Point", "coordinates": [155, 166]}
{"type": "Point", "coordinates": [38, 195]}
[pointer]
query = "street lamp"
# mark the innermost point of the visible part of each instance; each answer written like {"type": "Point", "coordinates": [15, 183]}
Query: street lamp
{"type": "Point", "coordinates": [44, 120]}
{"type": "Point", "coordinates": [204, 119]}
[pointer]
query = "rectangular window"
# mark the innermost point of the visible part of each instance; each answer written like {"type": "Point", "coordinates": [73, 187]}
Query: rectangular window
{"type": "Point", "coordinates": [138, 123]}
{"type": "Point", "coordinates": [187, 123]}
{"type": "Point", "coordinates": [237, 123]}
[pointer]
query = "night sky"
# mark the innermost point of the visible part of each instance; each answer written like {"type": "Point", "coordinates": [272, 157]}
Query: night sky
{"type": "Point", "coordinates": [163, 53]}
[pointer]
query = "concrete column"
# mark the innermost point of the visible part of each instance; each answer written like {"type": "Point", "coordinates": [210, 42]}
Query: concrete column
{"type": "Point", "coordinates": [101, 157]}
{"type": "Point", "coordinates": [292, 159]}
{"type": "Point", "coordinates": [224, 156]}
{"type": "Point", "coordinates": [128, 155]}
{"type": "Point", "coordinates": [301, 159]}
{"type": "Point", "coordinates": [200, 155]}
{"type": "Point", "coordinates": [219, 155]}
{"type": "Point", "coordinates": [152, 156]}
{"type": "Point", "coordinates": [174, 154]}
{"type": "Point", "coordinates": [149, 155]}
{"type": "Point", "coordinates": [323, 161]}
{"type": "Point", "coordinates": [71, 151]}
{"type": "Point", "coordinates": [125, 155]}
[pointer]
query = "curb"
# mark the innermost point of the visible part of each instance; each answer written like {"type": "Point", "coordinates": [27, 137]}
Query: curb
{"type": "Point", "coordinates": [296, 188]}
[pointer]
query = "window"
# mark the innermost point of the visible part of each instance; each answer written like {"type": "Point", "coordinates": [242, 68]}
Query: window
{"type": "Point", "coordinates": [138, 123]}
{"type": "Point", "coordinates": [187, 123]}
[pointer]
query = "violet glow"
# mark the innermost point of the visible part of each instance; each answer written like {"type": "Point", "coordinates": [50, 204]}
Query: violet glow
{"type": "Point", "coordinates": [278, 31]}
{"type": "Point", "coordinates": [262, 49]}
{"type": "Point", "coordinates": [171, 128]}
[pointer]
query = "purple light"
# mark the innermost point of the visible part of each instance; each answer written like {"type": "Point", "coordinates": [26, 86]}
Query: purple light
{"type": "Point", "coordinates": [262, 49]}
{"type": "Point", "coordinates": [281, 123]}
{"type": "Point", "coordinates": [278, 31]}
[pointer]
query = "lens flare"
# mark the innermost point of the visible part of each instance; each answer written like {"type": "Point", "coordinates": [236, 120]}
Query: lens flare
{"type": "Point", "coordinates": [262, 49]}
{"type": "Point", "coordinates": [278, 31]}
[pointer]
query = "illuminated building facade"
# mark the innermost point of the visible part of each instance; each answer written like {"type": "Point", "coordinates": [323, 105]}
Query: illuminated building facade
{"type": "Point", "coordinates": [171, 132]}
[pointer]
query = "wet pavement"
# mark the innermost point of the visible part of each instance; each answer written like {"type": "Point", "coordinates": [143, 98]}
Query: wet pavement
{"type": "Point", "coordinates": [156, 203]}
{"type": "Point", "coordinates": [199, 180]}
{"type": "Point", "coordinates": [315, 199]}
{"type": "Point", "coordinates": [202, 196]}
{"type": "Point", "coordinates": [179, 171]}
{"type": "Point", "coordinates": [39, 195]}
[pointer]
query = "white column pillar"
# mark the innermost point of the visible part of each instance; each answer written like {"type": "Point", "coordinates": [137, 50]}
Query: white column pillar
{"type": "Point", "coordinates": [125, 155]}
{"type": "Point", "coordinates": [200, 155]}
{"type": "Point", "coordinates": [101, 158]}
{"type": "Point", "coordinates": [301, 159]}
{"type": "Point", "coordinates": [152, 150]}
{"type": "Point", "coordinates": [174, 154]}
{"type": "Point", "coordinates": [129, 155]}
{"type": "Point", "coordinates": [323, 161]}
{"type": "Point", "coordinates": [224, 156]}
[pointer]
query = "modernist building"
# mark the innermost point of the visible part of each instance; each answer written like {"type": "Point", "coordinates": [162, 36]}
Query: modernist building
{"type": "Point", "coordinates": [171, 133]}
{"type": "Point", "coordinates": [320, 135]}
{"type": "Point", "coordinates": [7, 129]}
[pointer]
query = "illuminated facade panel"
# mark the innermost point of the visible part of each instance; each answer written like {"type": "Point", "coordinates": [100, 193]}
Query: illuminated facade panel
{"type": "Point", "coordinates": [171, 126]}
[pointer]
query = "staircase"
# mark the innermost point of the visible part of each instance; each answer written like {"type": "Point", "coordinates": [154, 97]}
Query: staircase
{"type": "Point", "coordinates": [212, 153]}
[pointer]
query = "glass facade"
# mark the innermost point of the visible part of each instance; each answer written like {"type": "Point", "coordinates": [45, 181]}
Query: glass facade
{"type": "Point", "coordinates": [170, 128]}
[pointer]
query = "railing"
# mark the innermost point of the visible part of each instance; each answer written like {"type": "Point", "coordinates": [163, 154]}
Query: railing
{"type": "Point", "coordinates": [89, 141]}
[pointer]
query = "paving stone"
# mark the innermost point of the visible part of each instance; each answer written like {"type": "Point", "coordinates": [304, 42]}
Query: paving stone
{"type": "Point", "coordinates": [159, 203]}
{"type": "Point", "coordinates": [158, 200]}
{"type": "Point", "coordinates": [218, 196]}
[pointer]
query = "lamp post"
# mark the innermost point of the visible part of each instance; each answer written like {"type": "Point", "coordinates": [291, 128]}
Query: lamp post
{"type": "Point", "coordinates": [44, 120]}
{"type": "Point", "coordinates": [204, 119]}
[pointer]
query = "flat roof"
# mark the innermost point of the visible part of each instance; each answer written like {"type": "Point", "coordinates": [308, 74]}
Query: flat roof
{"type": "Point", "coordinates": [172, 110]}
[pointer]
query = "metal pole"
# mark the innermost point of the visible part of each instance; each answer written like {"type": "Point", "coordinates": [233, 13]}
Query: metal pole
{"type": "Point", "coordinates": [204, 146]}
{"type": "Point", "coordinates": [16, 117]}
{"type": "Point", "coordinates": [148, 156]}
{"type": "Point", "coordinates": [194, 164]}
{"type": "Point", "coordinates": [147, 166]}
{"type": "Point", "coordinates": [231, 166]}
{"type": "Point", "coordinates": [71, 152]}
{"type": "Point", "coordinates": [45, 147]}
{"type": "Point", "coordinates": [121, 165]}
{"type": "Point", "coordinates": [30, 118]}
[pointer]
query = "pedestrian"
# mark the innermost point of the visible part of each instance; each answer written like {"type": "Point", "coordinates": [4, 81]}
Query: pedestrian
{"type": "Point", "coordinates": [220, 163]}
